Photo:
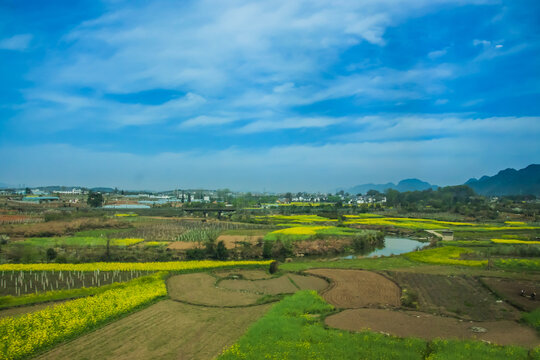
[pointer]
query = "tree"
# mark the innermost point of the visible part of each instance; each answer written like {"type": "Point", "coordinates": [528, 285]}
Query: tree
{"type": "Point", "coordinates": [28, 191]}
{"type": "Point", "coordinates": [95, 199]}
{"type": "Point", "coordinates": [221, 251]}
{"type": "Point", "coordinates": [51, 254]}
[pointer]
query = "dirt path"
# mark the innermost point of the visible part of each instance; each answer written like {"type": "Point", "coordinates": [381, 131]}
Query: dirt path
{"type": "Point", "coordinates": [359, 288]}
{"type": "Point", "coordinates": [426, 326]}
{"type": "Point", "coordinates": [166, 330]}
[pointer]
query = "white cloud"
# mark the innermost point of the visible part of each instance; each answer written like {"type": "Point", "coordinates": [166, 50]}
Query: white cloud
{"type": "Point", "coordinates": [388, 128]}
{"type": "Point", "coordinates": [437, 53]}
{"type": "Point", "coordinates": [447, 160]}
{"type": "Point", "coordinates": [289, 123]}
{"type": "Point", "coordinates": [17, 42]}
{"type": "Point", "coordinates": [54, 111]}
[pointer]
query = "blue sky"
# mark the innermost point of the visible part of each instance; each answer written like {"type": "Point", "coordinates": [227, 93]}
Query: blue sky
{"type": "Point", "coordinates": [266, 95]}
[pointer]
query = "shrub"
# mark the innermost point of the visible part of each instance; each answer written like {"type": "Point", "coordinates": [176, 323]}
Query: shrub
{"type": "Point", "coordinates": [273, 267]}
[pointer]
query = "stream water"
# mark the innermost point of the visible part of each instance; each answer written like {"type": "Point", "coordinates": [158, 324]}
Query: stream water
{"type": "Point", "coordinates": [392, 246]}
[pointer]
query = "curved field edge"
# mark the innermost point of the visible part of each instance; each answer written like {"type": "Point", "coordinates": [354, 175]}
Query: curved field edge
{"type": "Point", "coordinates": [24, 335]}
{"type": "Point", "coordinates": [294, 329]}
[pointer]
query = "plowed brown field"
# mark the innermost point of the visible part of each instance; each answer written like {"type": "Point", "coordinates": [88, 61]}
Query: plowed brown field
{"type": "Point", "coordinates": [246, 274]}
{"type": "Point", "coordinates": [426, 326]}
{"type": "Point", "coordinates": [281, 285]}
{"type": "Point", "coordinates": [200, 289]}
{"type": "Point", "coordinates": [455, 295]}
{"type": "Point", "coordinates": [359, 288]}
{"type": "Point", "coordinates": [510, 290]}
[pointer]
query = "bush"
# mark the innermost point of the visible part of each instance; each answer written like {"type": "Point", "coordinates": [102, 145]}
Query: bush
{"type": "Point", "coordinates": [195, 254]}
{"type": "Point", "coordinates": [267, 249]}
{"type": "Point", "coordinates": [221, 251]}
{"type": "Point", "coordinates": [273, 267]}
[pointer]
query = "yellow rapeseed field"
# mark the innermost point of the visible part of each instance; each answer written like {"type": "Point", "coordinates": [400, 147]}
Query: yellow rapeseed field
{"type": "Point", "coordinates": [301, 230]}
{"type": "Point", "coordinates": [125, 242]}
{"type": "Point", "coordinates": [148, 266]}
{"type": "Point", "coordinates": [23, 335]}
{"type": "Point", "coordinates": [510, 241]}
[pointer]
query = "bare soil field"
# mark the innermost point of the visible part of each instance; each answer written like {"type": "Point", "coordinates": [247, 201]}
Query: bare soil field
{"type": "Point", "coordinates": [309, 282]}
{"type": "Point", "coordinates": [199, 288]}
{"type": "Point", "coordinates": [231, 241]}
{"type": "Point", "coordinates": [245, 274]}
{"type": "Point", "coordinates": [166, 330]}
{"type": "Point", "coordinates": [183, 245]}
{"type": "Point", "coordinates": [461, 296]}
{"type": "Point", "coordinates": [427, 326]}
{"type": "Point", "coordinates": [281, 285]}
{"type": "Point", "coordinates": [510, 290]}
{"type": "Point", "coordinates": [359, 288]}
{"type": "Point", "coordinates": [58, 228]}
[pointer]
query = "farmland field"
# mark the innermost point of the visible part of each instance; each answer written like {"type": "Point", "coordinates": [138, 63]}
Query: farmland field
{"type": "Point", "coordinates": [458, 296]}
{"type": "Point", "coordinates": [213, 306]}
{"type": "Point", "coordinates": [166, 330]}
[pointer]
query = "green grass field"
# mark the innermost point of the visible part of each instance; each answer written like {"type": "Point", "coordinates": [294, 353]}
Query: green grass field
{"type": "Point", "coordinates": [294, 329]}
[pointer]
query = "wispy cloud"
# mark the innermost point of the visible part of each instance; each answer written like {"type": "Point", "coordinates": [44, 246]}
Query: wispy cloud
{"type": "Point", "coordinates": [17, 42]}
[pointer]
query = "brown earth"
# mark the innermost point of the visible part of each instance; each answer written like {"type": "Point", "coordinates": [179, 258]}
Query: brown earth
{"type": "Point", "coordinates": [427, 326]}
{"type": "Point", "coordinates": [454, 295]}
{"type": "Point", "coordinates": [58, 228]}
{"type": "Point", "coordinates": [199, 288]}
{"type": "Point", "coordinates": [232, 240]}
{"type": "Point", "coordinates": [309, 282]}
{"type": "Point", "coordinates": [245, 274]}
{"type": "Point", "coordinates": [359, 288]}
{"type": "Point", "coordinates": [183, 245]}
{"type": "Point", "coordinates": [166, 330]}
{"type": "Point", "coordinates": [321, 247]}
{"type": "Point", "coordinates": [510, 290]}
{"type": "Point", "coordinates": [281, 285]}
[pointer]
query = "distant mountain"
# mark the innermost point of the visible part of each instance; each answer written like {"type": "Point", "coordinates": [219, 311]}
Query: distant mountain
{"type": "Point", "coordinates": [509, 182]}
{"type": "Point", "coordinates": [403, 185]}
{"type": "Point", "coordinates": [6, 186]}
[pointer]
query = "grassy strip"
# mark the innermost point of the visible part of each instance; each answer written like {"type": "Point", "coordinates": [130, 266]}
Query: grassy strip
{"type": "Point", "coordinates": [469, 349]}
{"type": "Point", "coordinates": [383, 263]}
{"type": "Point", "coordinates": [472, 243]}
{"type": "Point", "coordinates": [27, 334]}
{"type": "Point", "coordinates": [292, 329]}
{"type": "Point", "coordinates": [55, 295]}
{"type": "Point", "coordinates": [533, 319]}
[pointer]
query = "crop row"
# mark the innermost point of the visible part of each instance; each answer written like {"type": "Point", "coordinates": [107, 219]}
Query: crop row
{"type": "Point", "coordinates": [26, 282]}
{"type": "Point", "coordinates": [148, 266]}
{"type": "Point", "coordinates": [24, 335]}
